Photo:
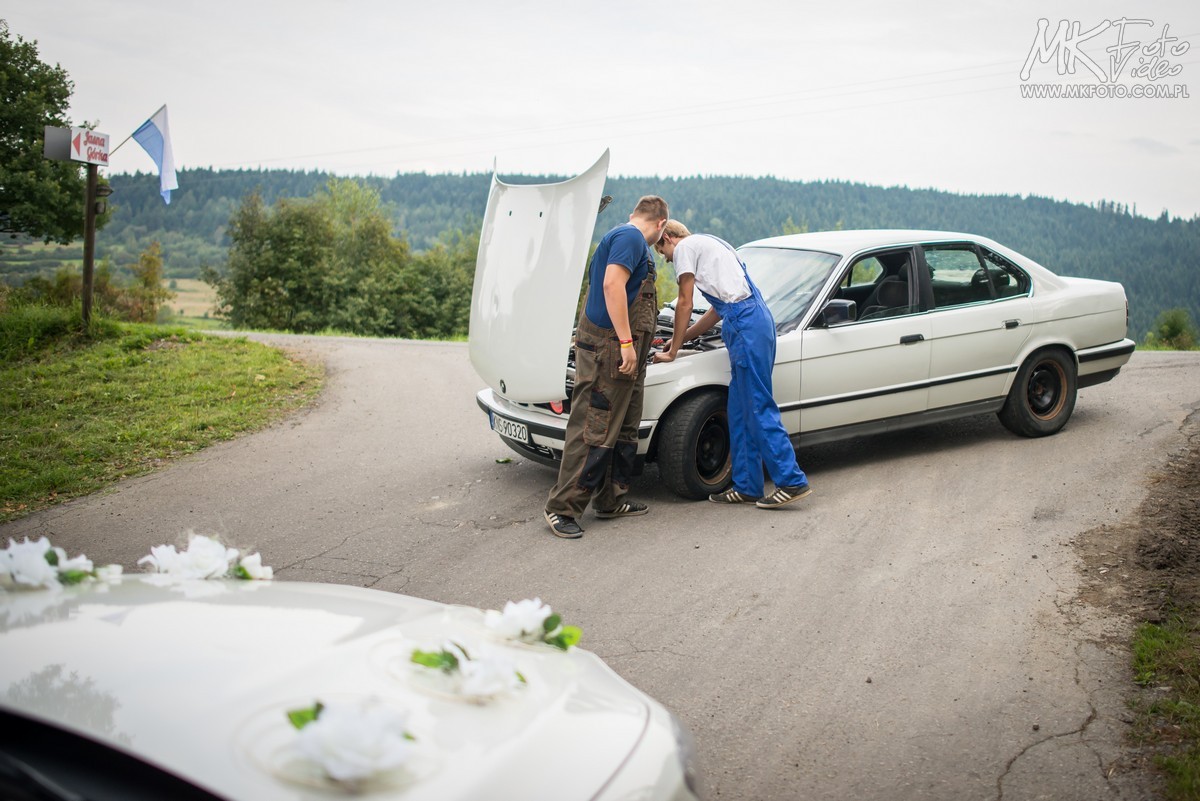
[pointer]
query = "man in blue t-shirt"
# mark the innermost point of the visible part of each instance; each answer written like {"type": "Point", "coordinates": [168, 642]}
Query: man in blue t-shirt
{"type": "Point", "coordinates": [612, 346]}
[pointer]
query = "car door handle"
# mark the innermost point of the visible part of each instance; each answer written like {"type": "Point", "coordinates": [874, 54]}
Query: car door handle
{"type": "Point", "coordinates": [911, 338]}
{"type": "Point", "coordinates": [1011, 323]}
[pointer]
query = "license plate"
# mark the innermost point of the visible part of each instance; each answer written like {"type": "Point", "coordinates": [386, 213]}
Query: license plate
{"type": "Point", "coordinates": [510, 429]}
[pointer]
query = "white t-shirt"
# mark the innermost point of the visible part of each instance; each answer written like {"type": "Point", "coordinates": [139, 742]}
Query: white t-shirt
{"type": "Point", "coordinates": [712, 261]}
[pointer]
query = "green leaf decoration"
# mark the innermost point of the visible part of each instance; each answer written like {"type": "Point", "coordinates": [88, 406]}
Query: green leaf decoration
{"type": "Point", "coordinates": [52, 558]}
{"type": "Point", "coordinates": [571, 635]}
{"type": "Point", "coordinates": [552, 622]}
{"type": "Point", "coordinates": [73, 576]}
{"type": "Point", "coordinates": [302, 717]}
{"type": "Point", "coordinates": [241, 573]}
{"type": "Point", "coordinates": [438, 660]}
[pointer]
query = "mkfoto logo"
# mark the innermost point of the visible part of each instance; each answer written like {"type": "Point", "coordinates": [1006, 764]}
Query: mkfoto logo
{"type": "Point", "coordinates": [1133, 51]}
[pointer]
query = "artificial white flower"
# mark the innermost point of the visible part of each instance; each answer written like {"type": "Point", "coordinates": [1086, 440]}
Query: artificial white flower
{"type": "Point", "coordinates": [523, 620]}
{"type": "Point", "coordinates": [24, 563]}
{"type": "Point", "coordinates": [487, 676]}
{"type": "Point", "coordinates": [80, 563]}
{"type": "Point", "coordinates": [254, 567]}
{"type": "Point", "coordinates": [109, 572]}
{"type": "Point", "coordinates": [353, 741]}
{"type": "Point", "coordinates": [204, 558]}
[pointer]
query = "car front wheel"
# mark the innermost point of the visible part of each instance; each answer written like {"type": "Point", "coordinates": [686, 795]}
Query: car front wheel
{"type": "Point", "coordinates": [693, 449]}
{"type": "Point", "coordinates": [1042, 396]}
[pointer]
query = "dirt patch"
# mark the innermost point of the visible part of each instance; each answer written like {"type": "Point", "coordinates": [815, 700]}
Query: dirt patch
{"type": "Point", "coordinates": [1151, 559]}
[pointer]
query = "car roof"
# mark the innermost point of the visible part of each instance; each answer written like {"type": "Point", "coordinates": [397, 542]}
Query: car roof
{"type": "Point", "coordinates": [852, 241]}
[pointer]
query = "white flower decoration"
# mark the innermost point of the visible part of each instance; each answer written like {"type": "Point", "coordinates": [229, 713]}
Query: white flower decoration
{"type": "Point", "coordinates": [255, 569]}
{"type": "Point", "coordinates": [80, 563]}
{"type": "Point", "coordinates": [487, 676]}
{"type": "Point", "coordinates": [204, 558]}
{"type": "Point", "coordinates": [354, 741]}
{"type": "Point", "coordinates": [523, 620]}
{"type": "Point", "coordinates": [109, 572]}
{"type": "Point", "coordinates": [24, 564]}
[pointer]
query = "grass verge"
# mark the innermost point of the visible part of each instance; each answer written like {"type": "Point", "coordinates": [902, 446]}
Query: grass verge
{"type": "Point", "coordinates": [1166, 661]}
{"type": "Point", "coordinates": [82, 408]}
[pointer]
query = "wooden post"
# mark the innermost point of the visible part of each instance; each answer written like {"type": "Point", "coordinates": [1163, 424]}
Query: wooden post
{"type": "Point", "coordinates": [89, 242]}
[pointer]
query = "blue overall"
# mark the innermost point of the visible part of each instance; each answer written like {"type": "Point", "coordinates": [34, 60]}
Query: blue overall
{"type": "Point", "coordinates": [756, 434]}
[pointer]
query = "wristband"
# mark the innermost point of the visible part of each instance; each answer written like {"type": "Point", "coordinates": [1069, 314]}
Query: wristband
{"type": "Point", "coordinates": [627, 344]}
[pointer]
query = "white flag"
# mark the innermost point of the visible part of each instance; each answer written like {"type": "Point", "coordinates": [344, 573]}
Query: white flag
{"type": "Point", "coordinates": [155, 138]}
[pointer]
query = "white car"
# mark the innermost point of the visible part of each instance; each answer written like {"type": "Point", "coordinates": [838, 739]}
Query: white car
{"type": "Point", "coordinates": [155, 688]}
{"type": "Point", "coordinates": [878, 330]}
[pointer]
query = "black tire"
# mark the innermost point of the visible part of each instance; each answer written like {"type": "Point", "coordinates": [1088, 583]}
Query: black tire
{"type": "Point", "coordinates": [693, 447]}
{"type": "Point", "coordinates": [1042, 396]}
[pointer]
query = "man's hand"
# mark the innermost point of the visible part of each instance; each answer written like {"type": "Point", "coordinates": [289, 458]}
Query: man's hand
{"type": "Point", "coordinates": [629, 361]}
{"type": "Point", "coordinates": [664, 356]}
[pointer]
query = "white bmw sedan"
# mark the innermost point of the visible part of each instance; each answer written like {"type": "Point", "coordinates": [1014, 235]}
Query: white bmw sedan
{"type": "Point", "coordinates": [878, 330]}
{"type": "Point", "coordinates": [151, 688]}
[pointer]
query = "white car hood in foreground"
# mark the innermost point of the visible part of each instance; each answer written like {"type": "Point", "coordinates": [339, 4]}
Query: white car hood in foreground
{"type": "Point", "coordinates": [196, 677]}
{"type": "Point", "coordinates": [533, 251]}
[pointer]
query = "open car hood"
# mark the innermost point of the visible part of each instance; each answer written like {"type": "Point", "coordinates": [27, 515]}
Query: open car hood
{"type": "Point", "coordinates": [533, 251]}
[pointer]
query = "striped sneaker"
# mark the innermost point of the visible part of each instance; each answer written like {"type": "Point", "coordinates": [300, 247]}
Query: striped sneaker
{"type": "Point", "coordinates": [783, 496]}
{"type": "Point", "coordinates": [731, 496]}
{"type": "Point", "coordinates": [564, 526]}
{"type": "Point", "coordinates": [626, 509]}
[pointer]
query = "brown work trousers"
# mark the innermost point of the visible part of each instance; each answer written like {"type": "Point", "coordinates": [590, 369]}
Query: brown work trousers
{"type": "Point", "coordinates": [606, 409]}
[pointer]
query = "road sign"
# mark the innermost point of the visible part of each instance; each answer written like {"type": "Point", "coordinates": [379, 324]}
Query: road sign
{"type": "Point", "coordinates": [90, 147]}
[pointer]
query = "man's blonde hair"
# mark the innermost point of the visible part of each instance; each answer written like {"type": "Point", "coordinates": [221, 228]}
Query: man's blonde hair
{"type": "Point", "coordinates": [652, 207]}
{"type": "Point", "coordinates": [676, 229]}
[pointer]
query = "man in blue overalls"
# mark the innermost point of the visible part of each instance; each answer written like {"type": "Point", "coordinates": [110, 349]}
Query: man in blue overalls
{"type": "Point", "coordinates": [756, 433]}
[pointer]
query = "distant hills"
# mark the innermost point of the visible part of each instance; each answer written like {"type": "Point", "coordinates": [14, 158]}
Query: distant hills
{"type": "Point", "coordinates": [1158, 260]}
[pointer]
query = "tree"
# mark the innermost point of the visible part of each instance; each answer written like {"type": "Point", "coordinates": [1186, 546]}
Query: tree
{"type": "Point", "coordinates": [38, 197]}
{"type": "Point", "coordinates": [1173, 330]}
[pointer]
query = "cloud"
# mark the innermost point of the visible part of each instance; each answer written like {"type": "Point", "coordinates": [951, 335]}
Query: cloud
{"type": "Point", "coordinates": [1153, 147]}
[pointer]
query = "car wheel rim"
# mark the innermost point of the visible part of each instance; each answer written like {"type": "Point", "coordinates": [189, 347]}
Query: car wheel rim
{"type": "Point", "coordinates": [712, 448]}
{"type": "Point", "coordinates": [1046, 395]}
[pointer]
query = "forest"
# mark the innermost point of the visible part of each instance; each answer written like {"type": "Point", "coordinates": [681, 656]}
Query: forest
{"type": "Point", "coordinates": [1157, 260]}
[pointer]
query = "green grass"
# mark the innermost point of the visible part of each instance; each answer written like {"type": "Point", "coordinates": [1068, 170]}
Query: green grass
{"type": "Point", "coordinates": [82, 408]}
{"type": "Point", "coordinates": [1166, 658]}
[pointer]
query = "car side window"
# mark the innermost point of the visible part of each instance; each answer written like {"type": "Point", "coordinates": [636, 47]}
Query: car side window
{"type": "Point", "coordinates": [956, 275]}
{"type": "Point", "coordinates": [1007, 279]}
{"type": "Point", "coordinates": [864, 271]}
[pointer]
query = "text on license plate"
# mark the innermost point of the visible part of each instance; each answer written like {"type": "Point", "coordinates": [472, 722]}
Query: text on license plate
{"type": "Point", "coordinates": [510, 429]}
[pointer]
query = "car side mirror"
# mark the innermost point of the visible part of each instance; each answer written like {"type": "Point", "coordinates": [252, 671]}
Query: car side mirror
{"type": "Point", "coordinates": [837, 312]}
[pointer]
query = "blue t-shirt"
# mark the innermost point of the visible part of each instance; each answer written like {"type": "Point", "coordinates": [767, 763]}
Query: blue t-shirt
{"type": "Point", "coordinates": [623, 245]}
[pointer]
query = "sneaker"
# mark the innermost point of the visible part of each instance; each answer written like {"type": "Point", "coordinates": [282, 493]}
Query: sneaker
{"type": "Point", "coordinates": [626, 509]}
{"type": "Point", "coordinates": [784, 495]}
{"type": "Point", "coordinates": [564, 526]}
{"type": "Point", "coordinates": [731, 496]}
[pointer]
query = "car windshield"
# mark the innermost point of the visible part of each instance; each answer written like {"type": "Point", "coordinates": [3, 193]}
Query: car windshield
{"type": "Point", "coordinates": [788, 279]}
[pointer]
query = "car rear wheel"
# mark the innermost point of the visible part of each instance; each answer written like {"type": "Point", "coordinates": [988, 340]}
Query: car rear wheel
{"type": "Point", "coordinates": [693, 448]}
{"type": "Point", "coordinates": [1042, 396]}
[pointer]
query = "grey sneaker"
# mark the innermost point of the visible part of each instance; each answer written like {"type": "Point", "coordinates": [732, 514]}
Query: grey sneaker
{"type": "Point", "coordinates": [731, 496]}
{"type": "Point", "coordinates": [564, 526]}
{"type": "Point", "coordinates": [783, 496]}
{"type": "Point", "coordinates": [626, 509]}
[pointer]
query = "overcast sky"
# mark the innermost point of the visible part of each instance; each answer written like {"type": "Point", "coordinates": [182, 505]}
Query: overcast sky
{"type": "Point", "coordinates": [874, 92]}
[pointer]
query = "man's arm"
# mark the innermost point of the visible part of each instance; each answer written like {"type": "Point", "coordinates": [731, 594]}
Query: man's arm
{"type": "Point", "coordinates": [616, 300]}
{"type": "Point", "coordinates": [683, 316]}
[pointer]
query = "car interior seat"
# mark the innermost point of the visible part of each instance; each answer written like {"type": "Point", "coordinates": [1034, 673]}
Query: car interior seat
{"type": "Point", "coordinates": [890, 294]}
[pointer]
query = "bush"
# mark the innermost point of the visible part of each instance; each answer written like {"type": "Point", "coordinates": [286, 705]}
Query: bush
{"type": "Point", "coordinates": [28, 329]}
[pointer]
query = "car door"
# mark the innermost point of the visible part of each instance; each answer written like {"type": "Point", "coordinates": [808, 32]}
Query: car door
{"type": "Point", "coordinates": [533, 251]}
{"type": "Point", "coordinates": [980, 319]}
{"type": "Point", "coordinates": [871, 369]}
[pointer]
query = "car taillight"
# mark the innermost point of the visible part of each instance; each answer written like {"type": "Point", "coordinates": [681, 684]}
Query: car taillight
{"type": "Point", "coordinates": [556, 407]}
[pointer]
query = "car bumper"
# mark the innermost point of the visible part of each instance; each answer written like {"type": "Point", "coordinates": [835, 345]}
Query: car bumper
{"type": "Point", "coordinates": [545, 432]}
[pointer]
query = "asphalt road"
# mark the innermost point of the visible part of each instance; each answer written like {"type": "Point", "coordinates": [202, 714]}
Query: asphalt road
{"type": "Point", "coordinates": [910, 631]}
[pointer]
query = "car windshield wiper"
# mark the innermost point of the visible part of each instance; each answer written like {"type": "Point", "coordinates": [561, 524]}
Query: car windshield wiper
{"type": "Point", "coordinates": [21, 782]}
